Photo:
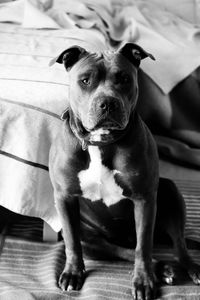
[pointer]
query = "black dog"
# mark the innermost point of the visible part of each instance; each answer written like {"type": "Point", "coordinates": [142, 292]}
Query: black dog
{"type": "Point", "coordinates": [104, 169]}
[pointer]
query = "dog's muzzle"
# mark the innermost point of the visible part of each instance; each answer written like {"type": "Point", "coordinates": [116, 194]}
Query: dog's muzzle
{"type": "Point", "coordinates": [107, 113]}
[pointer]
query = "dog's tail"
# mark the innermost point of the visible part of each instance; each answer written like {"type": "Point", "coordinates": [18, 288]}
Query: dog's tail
{"type": "Point", "coordinates": [101, 249]}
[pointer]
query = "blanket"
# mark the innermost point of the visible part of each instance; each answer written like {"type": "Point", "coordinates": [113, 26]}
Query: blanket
{"type": "Point", "coordinates": [32, 98]}
{"type": "Point", "coordinates": [173, 41]}
{"type": "Point", "coordinates": [33, 95]}
{"type": "Point", "coordinates": [29, 268]}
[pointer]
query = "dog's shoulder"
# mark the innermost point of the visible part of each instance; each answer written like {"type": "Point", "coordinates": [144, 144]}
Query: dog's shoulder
{"type": "Point", "coordinates": [65, 147]}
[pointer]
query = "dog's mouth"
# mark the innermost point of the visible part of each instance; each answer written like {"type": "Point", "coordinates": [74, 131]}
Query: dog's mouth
{"type": "Point", "coordinates": [109, 121]}
{"type": "Point", "coordinates": [106, 131]}
{"type": "Point", "coordinates": [109, 125]}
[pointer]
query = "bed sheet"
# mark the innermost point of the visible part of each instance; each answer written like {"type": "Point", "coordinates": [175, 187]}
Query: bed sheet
{"type": "Point", "coordinates": [173, 41]}
{"type": "Point", "coordinates": [29, 268]}
{"type": "Point", "coordinates": [33, 95]}
{"type": "Point", "coordinates": [32, 98]}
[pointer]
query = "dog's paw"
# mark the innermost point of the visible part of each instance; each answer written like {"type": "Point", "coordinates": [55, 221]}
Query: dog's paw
{"type": "Point", "coordinates": [165, 272]}
{"type": "Point", "coordinates": [72, 278]}
{"type": "Point", "coordinates": [143, 285]}
{"type": "Point", "coordinates": [194, 273]}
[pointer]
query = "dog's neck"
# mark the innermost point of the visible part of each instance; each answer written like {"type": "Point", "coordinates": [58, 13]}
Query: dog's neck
{"type": "Point", "coordinates": [87, 138]}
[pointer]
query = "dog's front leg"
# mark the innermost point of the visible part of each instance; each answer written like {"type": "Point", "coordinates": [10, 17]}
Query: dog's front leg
{"type": "Point", "coordinates": [143, 277]}
{"type": "Point", "coordinates": [73, 274]}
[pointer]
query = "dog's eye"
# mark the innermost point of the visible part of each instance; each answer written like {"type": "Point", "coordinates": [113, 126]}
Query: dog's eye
{"type": "Point", "coordinates": [125, 79]}
{"type": "Point", "coordinates": [122, 78]}
{"type": "Point", "coordinates": [86, 81]}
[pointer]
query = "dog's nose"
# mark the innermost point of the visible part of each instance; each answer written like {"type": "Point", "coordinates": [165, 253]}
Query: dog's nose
{"type": "Point", "coordinates": [109, 104]}
{"type": "Point", "coordinates": [103, 105]}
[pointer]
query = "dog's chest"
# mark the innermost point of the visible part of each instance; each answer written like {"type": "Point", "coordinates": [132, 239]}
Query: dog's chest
{"type": "Point", "coordinates": [98, 182]}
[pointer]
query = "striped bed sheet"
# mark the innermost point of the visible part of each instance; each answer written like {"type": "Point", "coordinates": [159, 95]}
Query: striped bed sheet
{"type": "Point", "coordinates": [30, 271]}
{"type": "Point", "coordinates": [29, 268]}
{"type": "Point", "coordinates": [191, 193]}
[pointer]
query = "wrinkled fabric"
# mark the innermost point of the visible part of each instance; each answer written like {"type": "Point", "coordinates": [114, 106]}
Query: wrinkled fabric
{"type": "Point", "coordinates": [34, 95]}
{"type": "Point", "coordinates": [174, 42]}
{"type": "Point", "coordinates": [173, 118]}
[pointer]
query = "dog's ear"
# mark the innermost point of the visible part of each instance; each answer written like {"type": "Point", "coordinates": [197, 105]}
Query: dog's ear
{"type": "Point", "coordinates": [134, 53]}
{"type": "Point", "coordinates": [69, 57]}
{"type": "Point", "coordinates": [65, 115]}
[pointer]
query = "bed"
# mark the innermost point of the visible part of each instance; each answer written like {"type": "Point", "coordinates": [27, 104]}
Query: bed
{"type": "Point", "coordinates": [32, 97]}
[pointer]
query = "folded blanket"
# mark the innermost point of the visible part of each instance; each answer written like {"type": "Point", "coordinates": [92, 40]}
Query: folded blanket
{"type": "Point", "coordinates": [32, 98]}
{"type": "Point", "coordinates": [173, 41]}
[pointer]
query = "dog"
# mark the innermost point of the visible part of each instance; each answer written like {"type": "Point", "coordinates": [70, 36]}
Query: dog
{"type": "Point", "coordinates": [104, 169]}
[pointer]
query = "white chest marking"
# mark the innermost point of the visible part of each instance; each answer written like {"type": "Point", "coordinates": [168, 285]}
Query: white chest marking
{"type": "Point", "coordinates": [98, 182]}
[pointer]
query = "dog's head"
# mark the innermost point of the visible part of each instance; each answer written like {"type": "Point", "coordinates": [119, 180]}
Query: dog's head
{"type": "Point", "coordinates": [103, 88]}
